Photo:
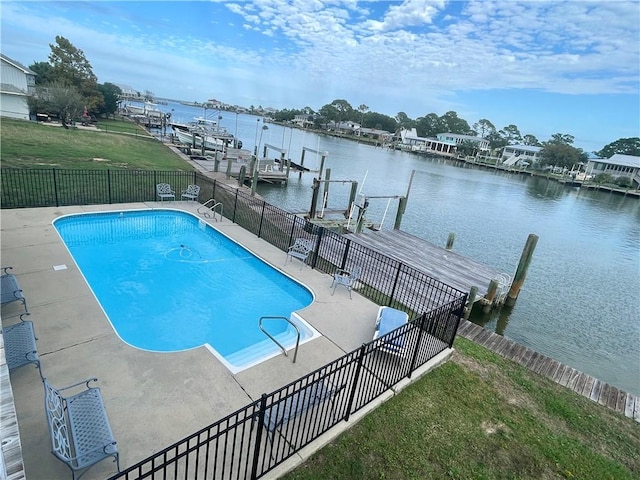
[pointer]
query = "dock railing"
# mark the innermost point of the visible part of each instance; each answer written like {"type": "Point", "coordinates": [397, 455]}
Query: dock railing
{"type": "Point", "coordinates": [255, 439]}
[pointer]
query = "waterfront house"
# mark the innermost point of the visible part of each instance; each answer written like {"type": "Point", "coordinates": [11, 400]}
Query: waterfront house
{"type": "Point", "coordinates": [346, 127]}
{"type": "Point", "coordinates": [304, 120]}
{"type": "Point", "coordinates": [411, 141]}
{"type": "Point", "coordinates": [375, 133]}
{"type": "Point", "coordinates": [18, 82]}
{"type": "Point", "coordinates": [520, 155]}
{"type": "Point", "coordinates": [618, 165]}
{"type": "Point", "coordinates": [457, 138]}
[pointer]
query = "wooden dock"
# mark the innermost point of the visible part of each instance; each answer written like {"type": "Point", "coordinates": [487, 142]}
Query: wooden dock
{"type": "Point", "coordinates": [444, 265]}
{"type": "Point", "coordinates": [581, 383]}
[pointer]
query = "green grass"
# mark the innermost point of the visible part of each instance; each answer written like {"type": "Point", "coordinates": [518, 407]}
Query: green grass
{"type": "Point", "coordinates": [121, 125]}
{"type": "Point", "coordinates": [32, 145]}
{"type": "Point", "coordinates": [480, 416]}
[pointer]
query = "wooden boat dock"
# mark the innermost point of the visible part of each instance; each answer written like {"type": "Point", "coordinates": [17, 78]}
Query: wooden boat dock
{"type": "Point", "coordinates": [444, 265]}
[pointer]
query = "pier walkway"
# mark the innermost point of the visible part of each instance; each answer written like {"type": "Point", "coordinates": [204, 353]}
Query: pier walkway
{"type": "Point", "coordinates": [444, 265]}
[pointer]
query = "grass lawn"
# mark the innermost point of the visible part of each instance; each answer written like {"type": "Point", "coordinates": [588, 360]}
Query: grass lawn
{"type": "Point", "coordinates": [480, 416]}
{"type": "Point", "coordinates": [33, 145]}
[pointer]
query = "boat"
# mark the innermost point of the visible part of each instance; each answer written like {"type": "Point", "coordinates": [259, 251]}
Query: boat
{"type": "Point", "coordinates": [214, 136]}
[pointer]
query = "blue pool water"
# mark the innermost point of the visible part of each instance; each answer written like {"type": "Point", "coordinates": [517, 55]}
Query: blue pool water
{"type": "Point", "coordinates": [168, 281]}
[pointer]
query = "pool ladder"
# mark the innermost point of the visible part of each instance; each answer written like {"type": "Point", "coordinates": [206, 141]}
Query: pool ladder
{"type": "Point", "coordinates": [208, 209]}
{"type": "Point", "coordinates": [284, 350]}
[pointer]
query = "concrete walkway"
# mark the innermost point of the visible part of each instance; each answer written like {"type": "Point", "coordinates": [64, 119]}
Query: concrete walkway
{"type": "Point", "coordinates": [152, 399]}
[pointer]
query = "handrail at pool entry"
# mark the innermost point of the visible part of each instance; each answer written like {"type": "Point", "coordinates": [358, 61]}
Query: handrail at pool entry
{"type": "Point", "coordinates": [284, 350]}
{"type": "Point", "coordinates": [210, 207]}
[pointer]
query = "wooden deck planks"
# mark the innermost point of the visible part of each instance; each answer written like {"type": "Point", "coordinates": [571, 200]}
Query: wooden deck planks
{"type": "Point", "coordinates": [445, 265]}
{"type": "Point", "coordinates": [9, 434]}
{"type": "Point", "coordinates": [581, 383]}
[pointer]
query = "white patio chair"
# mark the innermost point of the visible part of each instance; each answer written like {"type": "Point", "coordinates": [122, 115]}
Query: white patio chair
{"type": "Point", "coordinates": [191, 193]}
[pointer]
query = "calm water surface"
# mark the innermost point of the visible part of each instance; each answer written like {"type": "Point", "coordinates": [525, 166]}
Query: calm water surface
{"type": "Point", "coordinates": [579, 303]}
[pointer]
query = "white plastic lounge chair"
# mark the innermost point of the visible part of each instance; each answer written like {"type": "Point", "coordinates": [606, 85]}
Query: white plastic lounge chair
{"type": "Point", "coordinates": [346, 278]}
{"type": "Point", "coordinates": [388, 320]}
{"type": "Point", "coordinates": [163, 191]}
{"type": "Point", "coordinates": [191, 193]}
{"type": "Point", "coordinates": [300, 249]}
{"type": "Point", "coordinates": [10, 289]}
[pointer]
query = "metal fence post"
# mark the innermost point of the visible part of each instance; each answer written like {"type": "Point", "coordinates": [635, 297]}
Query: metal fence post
{"type": "Point", "coordinates": [235, 207]}
{"type": "Point", "coordinates": [459, 313]}
{"type": "Point", "coordinates": [109, 185]}
{"type": "Point", "coordinates": [55, 186]}
{"type": "Point", "coordinates": [345, 255]}
{"type": "Point", "coordinates": [293, 227]}
{"type": "Point", "coordinates": [414, 358]}
{"type": "Point", "coordinates": [256, 449]}
{"type": "Point", "coordinates": [264, 204]}
{"type": "Point", "coordinates": [395, 283]}
{"type": "Point", "coordinates": [314, 261]}
{"type": "Point", "coordinates": [356, 377]}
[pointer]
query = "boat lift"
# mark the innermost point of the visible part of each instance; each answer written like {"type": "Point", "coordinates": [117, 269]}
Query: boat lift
{"type": "Point", "coordinates": [360, 218]}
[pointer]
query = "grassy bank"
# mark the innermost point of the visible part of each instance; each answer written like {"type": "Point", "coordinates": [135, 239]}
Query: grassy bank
{"type": "Point", "coordinates": [33, 145]}
{"type": "Point", "coordinates": [482, 417]}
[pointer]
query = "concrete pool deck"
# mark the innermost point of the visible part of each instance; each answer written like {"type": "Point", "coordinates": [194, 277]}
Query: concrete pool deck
{"type": "Point", "coordinates": [152, 399]}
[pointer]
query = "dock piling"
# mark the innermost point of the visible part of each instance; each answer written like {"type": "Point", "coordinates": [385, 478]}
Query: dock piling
{"type": "Point", "coordinates": [473, 292]}
{"type": "Point", "coordinates": [450, 240]}
{"type": "Point", "coordinates": [491, 295]}
{"type": "Point", "coordinates": [521, 272]}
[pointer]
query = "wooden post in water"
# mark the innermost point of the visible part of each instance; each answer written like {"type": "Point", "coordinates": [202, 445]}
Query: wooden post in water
{"type": "Point", "coordinates": [490, 296]}
{"type": "Point", "coordinates": [352, 198]}
{"type": "Point", "coordinates": [314, 198]}
{"type": "Point", "coordinates": [402, 204]}
{"type": "Point", "coordinates": [301, 163]}
{"type": "Point", "coordinates": [242, 175]}
{"type": "Point", "coordinates": [450, 240]}
{"type": "Point", "coordinates": [325, 193]}
{"type": "Point", "coordinates": [282, 162]}
{"type": "Point", "coordinates": [521, 272]}
{"type": "Point", "coordinates": [229, 168]}
{"type": "Point", "coordinates": [322, 164]}
{"type": "Point", "coordinates": [361, 215]}
{"type": "Point", "coordinates": [470, 301]}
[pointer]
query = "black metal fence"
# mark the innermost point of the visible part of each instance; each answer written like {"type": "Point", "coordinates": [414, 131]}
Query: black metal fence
{"type": "Point", "coordinates": [51, 187]}
{"type": "Point", "coordinates": [258, 437]}
{"type": "Point", "coordinates": [255, 439]}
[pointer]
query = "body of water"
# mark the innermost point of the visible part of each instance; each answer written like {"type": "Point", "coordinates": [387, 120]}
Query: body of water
{"type": "Point", "coordinates": [580, 301]}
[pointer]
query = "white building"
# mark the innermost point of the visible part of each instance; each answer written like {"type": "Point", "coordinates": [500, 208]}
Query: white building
{"type": "Point", "coordinates": [618, 165]}
{"type": "Point", "coordinates": [457, 139]}
{"type": "Point", "coordinates": [409, 140]}
{"type": "Point", "coordinates": [303, 120]}
{"type": "Point", "coordinates": [521, 155]}
{"type": "Point", "coordinates": [18, 82]}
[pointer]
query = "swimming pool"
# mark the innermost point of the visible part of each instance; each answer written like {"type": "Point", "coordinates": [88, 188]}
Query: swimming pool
{"type": "Point", "coordinates": [168, 282]}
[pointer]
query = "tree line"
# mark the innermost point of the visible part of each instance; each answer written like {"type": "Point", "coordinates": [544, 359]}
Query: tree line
{"type": "Point", "coordinates": [558, 150]}
{"type": "Point", "coordinates": [66, 86]}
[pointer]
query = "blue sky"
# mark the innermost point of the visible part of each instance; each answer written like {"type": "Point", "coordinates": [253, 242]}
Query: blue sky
{"type": "Point", "coordinates": [548, 67]}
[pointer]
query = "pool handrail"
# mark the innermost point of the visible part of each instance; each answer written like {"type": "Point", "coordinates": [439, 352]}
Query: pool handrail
{"type": "Point", "coordinates": [210, 206]}
{"type": "Point", "coordinates": [284, 350]}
